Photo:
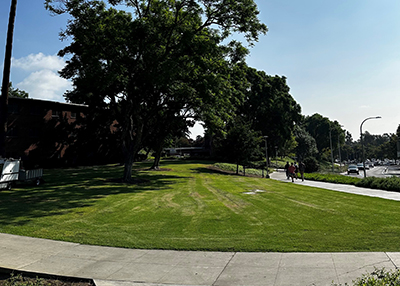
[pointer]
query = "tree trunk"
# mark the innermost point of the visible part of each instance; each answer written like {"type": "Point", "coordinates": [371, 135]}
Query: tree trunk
{"type": "Point", "coordinates": [6, 79]}
{"type": "Point", "coordinates": [132, 147]}
{"type": "Point", "coordinates": [129, 159]}
{"type": "Point", "coordinates": [157, 157]}
{"type": "Point", "coordinates": [156, 163]}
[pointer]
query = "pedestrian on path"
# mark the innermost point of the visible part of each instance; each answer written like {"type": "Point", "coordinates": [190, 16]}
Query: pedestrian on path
{"type": "Point", "coordinates": [287, 170]}
{"type": "Point", "coordinates": [296, 170]}
{"type": "Point", "coordinates": [292, 170]}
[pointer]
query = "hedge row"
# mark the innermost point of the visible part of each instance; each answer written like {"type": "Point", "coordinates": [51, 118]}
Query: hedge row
{"type": "Point", "coordinates": [387, 184]}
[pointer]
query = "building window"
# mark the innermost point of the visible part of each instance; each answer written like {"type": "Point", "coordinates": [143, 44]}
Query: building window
{"type": "Point", "coordinates": [73, 114]}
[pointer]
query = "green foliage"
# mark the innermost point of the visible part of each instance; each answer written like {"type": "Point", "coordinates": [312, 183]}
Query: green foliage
{"type": "Point", "coordinates": [232, 168]}
{"type": "Point", "coordinates": [306, 145]}
{"type": "Point", "coordinates": [379, 277]}
{"type": "Point", "coordinates": [312, 164]}
{"type": "Point", "coordinates": [15, 92]}
{"type": "Point", "coordinates": [324, 132]}
{"type": "Point", "coordinates": [166, 63]}
{"type": "Point", "coordinates": [270, 108]}
{"type": "Point", "coordinates": [388, 184]}
{"type": "Point", "coordinates": [19, 280]}
{"type": "Point", "coordinates": [242, 144]}
{"type": "Point", "coordinates": [330, 178]}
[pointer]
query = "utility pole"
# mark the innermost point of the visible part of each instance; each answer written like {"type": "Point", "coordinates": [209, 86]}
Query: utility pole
{"type": "Point", "coordinates": [6, 79]}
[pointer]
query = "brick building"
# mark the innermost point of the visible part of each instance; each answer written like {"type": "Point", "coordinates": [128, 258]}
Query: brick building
{"type": "Point", "coordinates": [39, 130]}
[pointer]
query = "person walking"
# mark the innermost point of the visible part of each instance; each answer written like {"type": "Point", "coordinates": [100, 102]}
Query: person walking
{"type": "Point", "coordinates": [287, 170]}
{"type": "Point", "coordinates": [302, 168]}
{"type": "Point", "coordinates": [296, 170]}
{"type": "Point", "coordinates": [292, 169]}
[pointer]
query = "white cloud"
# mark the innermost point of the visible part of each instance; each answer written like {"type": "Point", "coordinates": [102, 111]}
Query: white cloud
{"type": "Point", "coordinates": [40, 78]}
{"type": "Point", "coordinates": [34, 62]}
{"type": "Point", "coordinates": [45, 84]}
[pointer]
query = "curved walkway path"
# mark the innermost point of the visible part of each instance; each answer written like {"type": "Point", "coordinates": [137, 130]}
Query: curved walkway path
{"type": "Point", "coordinates": [281, 176]}
{"type": "Point", "coordinates": [134, 267]}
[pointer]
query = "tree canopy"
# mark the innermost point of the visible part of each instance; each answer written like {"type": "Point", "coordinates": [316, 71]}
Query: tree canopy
{"type": "Point", "coordinates": [267, 109]}
{"type": "Point", "coordinates": [269, 106]}
{"type": "Point", "coordinates": [324, 131]}
{"type": "Point", "coordinates": [168, 58]}
{"type": "Point", "coordinates": [16, 92]}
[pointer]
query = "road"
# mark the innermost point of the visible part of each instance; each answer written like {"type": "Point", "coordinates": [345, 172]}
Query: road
{"type": "Point", "coordinates": [379, 171]}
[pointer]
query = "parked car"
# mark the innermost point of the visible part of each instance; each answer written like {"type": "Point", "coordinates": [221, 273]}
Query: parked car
{"type": "Point", "coordinates": [360, 166]}
{"type": "Point", "coordinates": [353, 169]}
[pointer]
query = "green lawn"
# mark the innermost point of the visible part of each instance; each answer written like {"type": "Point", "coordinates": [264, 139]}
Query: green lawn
{"type": "Point", "coordinates": [188, 206]}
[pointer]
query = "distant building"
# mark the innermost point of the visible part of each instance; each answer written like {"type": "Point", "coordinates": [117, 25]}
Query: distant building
{"type": "Point", "coordinates": [40, 130]}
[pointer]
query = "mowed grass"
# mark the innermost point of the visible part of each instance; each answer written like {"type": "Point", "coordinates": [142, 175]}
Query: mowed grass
{"type": "Point", "coordinates": [188, 206]}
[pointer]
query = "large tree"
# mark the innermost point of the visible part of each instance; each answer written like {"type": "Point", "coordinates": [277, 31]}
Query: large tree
{"type": "Point", "coordinates": [324, 132]}
{"type": "Point", "coordinates": [306, 145]}
{"type": "Point", "coordinates": [242, 144]}
{"type": "Point", "coordinates": [168, 55]}
{"type": "Point", "coordinates": [270, 108]}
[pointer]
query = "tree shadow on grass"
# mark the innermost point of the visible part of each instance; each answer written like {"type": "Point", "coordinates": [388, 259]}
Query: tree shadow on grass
{"type": "Point", "coordinates": [185, 162]}
{"type": "Point", "coordinates": [66, 190]}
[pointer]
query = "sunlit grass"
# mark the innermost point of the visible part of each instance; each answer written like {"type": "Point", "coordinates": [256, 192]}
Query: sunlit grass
{"type": "Point", "coordinates": [188, 206]}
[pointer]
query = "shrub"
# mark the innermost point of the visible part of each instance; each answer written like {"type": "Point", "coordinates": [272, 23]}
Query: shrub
{"type": "Point", "coordinates": [312, 164]}
{"type": "Point", "coordinates": [389, 184]}
{"type": "Point", "coordinates": [379, 277]}
{"type": "Point", "coordinates": [18, 280]}
{"type": "Point", "coordinates": [331, 178]}
{"type": "Point", "coordinates": [232, 168]}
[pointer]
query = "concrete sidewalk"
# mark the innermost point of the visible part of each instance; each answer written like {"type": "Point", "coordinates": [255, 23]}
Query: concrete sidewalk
{"type": "Point", "coordinates": [280, 175]}
{"type": "Point", "coordinates": [128, 267]}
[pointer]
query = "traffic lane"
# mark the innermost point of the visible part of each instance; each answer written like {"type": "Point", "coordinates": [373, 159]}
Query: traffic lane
{"type": "Point", "coordinates": [378, 171]}
{"type": "Point", "coordinates": [392, 170]}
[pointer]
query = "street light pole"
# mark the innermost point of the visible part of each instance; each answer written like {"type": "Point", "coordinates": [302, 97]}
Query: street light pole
{"type": "Point", "coordinates": [266, 155]}
{"type": "Point", "coordinates": [362, 142]}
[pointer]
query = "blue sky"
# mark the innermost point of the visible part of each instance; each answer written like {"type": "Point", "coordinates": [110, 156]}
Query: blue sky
{"type": "Point", "coordinates": [341, 58]}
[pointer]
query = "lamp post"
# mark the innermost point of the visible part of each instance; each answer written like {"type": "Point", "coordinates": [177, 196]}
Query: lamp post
{"type": "Point", "coordinates": [266, 155]}
{"type": "Point", "coordinates": [362, 142]}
